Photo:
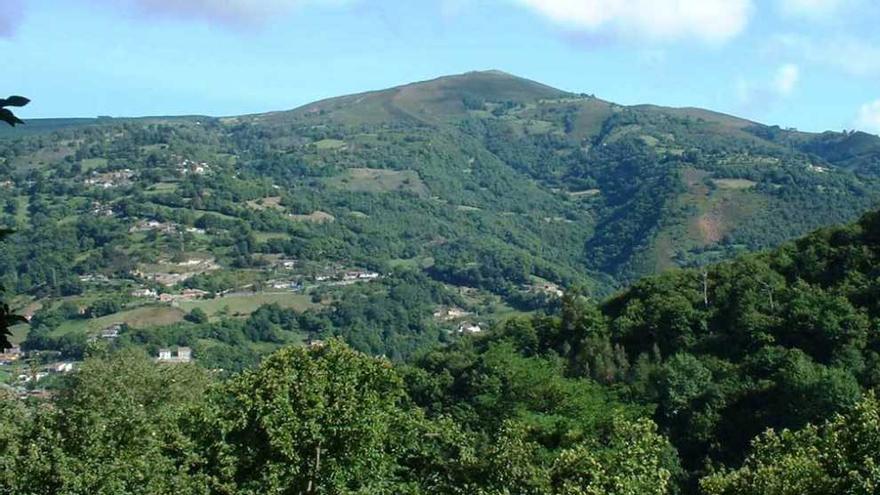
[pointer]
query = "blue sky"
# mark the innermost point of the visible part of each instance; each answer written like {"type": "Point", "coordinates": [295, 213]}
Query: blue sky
{"type": "Point", "coordinates": [810, 64]}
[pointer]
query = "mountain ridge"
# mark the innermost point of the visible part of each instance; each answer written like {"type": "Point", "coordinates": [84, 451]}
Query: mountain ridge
{"type": "Point", "coordinates": [545, 91]}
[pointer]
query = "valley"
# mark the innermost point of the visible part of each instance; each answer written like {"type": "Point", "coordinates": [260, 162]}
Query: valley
{"type": "Point", "coordinates": [475, 191]}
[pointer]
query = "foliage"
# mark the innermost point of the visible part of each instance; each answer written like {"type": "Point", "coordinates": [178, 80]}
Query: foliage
{"type": "Point", "coordinates": [840, 456]}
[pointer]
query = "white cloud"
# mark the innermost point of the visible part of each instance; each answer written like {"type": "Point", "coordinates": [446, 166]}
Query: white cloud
{"type": "Point", "coordinates": [810, 8]}
{"type": "Point", "coordinates": [713, 21]}
{"type": "Point", "coordinates": [869, 117]}
{"type": "Point", "coordinates": [786, 79]}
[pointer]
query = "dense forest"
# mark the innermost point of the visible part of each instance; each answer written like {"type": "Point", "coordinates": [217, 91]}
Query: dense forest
{"type": "Point", "coordinates": [751, 376]}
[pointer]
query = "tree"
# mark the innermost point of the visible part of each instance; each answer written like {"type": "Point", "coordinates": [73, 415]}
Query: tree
{"type": "Point", "coordinates": [197, 315]}
{"type": "Point", "coordinates": [841, 456]}
{"type": "Point", "coordinates": [309, 420]}
{"type": "Point", "coordinates": [7, 319]}
{"type": "Point", "coordinates": [115, 430]}
{"type": "Point", "coordinates": [6, 114]}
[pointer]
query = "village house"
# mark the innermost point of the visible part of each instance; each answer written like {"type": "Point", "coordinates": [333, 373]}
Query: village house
{"type": "Point", "coordinates": [188, 166]}
{"type": "Point", "coordinates": [192, 294]}
{"type": "Point", "coordinates": [111, 332]}
{"type": "Point", "coordinates": [110, 179]}
{"type": "Point", "coordinates": [448, 314]}
{"type": "Point", "coordinates": [359, 275]}
{"type": "Point", "coordinates": [183, 355]}
{"type": "Point", "coordinates": [62, 367]}
{"type": "Point", "coordinates": [101, 210]}
{"type": "Point", "coordinates": [94, 278]}
{"type": "Point", "coordinates": [10, 355]}
{"type": "Point", "coordinates": [147, 225]}
{"type": "Point", "coordinates": [147, 293]}
{"type": "Point", "coordinates": [547, 288]}
{"type": "Point", "coordinates": [470, 328]}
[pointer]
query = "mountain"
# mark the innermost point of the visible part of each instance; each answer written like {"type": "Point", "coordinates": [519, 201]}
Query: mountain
{"type": "Point", "coordinates": [493, 190]}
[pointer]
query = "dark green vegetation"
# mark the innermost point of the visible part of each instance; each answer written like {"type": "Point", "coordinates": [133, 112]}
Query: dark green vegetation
{"type": "Point", "coordinates": [495, 188]}
{"type": "Point", "coordinates": [7, 319]}
{"type": "Point", "coordinates": [750, 376]}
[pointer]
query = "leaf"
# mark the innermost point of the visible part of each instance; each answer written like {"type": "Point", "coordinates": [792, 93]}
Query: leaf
{"type": "Point", "coordinates": [14, 101]}
{"type": "Point", "coordinates": [7, 116]}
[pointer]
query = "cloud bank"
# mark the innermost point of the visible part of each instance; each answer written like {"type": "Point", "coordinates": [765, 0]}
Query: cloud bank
{"type": "Point", "coordinates": [712, 21]}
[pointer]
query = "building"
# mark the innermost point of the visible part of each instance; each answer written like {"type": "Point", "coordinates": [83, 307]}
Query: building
{"type": "Point", "coordinates": [11, 355]}
{"type": "Point", "coordinates": [111, 332]}
{"type": "Point", "coordinates": [449, 314]}
{"type": "Point", "coordinates": [148, 293]}
{"type": "Point", "coordinates": [63, 368]}
{"type": "Point", "coordinates": [469, 328]}
{"type": "Point", "coordinates": [192, 294]}
{"type": "Point", "coordinates": [184, 355]}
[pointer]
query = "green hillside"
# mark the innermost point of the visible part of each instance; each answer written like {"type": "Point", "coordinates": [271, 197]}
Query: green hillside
{"type": "Point", "coordinates": [481, 192]}
{"type": "Point", "coordinates": [752, 376]}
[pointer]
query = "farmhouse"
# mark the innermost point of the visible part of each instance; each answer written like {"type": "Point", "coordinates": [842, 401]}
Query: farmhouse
{"type": "Point", "coordinates": [110, 179]}
{"type": "Point", "coordinates": [10, 355]}
{"type": "Point", "coordinates": [183, 355]}
{"type": "Point", "coordinates": [147, 293]}
{"type": "Point", "coordinates": [470, 328]}
{"type": "Point", "coordinates": [452, 313]}
{"type": "Point", "coordinates": [111, 332]}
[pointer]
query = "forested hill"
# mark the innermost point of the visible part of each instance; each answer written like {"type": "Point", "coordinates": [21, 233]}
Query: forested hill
{"type": "Point", "coordinates": [623, 191]}
{"type": "Point", "coordinates": [466, 197]}
{"type": "Point", "coordinates": [667, 388]}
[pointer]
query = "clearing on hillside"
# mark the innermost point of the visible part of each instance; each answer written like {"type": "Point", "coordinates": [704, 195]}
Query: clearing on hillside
{"type": "Point", "coordinates": [245, 304]}
{"type": "Point", "coordinates": [317, 216]}
{"type": "Point", "coordinates": [374, 180]}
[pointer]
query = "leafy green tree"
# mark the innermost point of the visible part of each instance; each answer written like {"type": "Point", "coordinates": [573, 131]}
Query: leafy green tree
{"type": "Point", "coordinates": [116, 429]}
{"type": "Point", "coordinates": [197, 315]}
{"type": "Point", "coordinates": [6, 114]}
{"type": "Point", "coordinates": [630, 459]}
{"type": "Point", "coordinates": [309, 420]}
{"type": "Point", "coordinates": [840, 456]}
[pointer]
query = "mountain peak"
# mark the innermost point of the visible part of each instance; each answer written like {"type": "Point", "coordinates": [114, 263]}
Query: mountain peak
{"type": "Point", "coordinates": [434, 99]}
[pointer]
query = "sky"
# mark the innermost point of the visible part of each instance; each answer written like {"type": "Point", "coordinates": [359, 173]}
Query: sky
{"type": "Point", "coordinates": [809, 64]}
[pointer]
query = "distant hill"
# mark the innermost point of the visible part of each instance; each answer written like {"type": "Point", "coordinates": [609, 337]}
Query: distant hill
{"type": "Point", "coordinates": [485, 179]}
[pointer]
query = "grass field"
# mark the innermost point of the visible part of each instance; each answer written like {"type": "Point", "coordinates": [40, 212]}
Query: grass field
{"type": "Point", "coordinates": [142, 317]}
{"type": "Point", "coordinates": [162, 187]}
{"type": "Point", "coordinates": [374, 180]}
{"type": "Point", "coordinates": [734, 183]}
{"type": "Point", "coordinates": [330, 144]}
{"type": "Point", "coordinates": [272, 202]}
{"type": "Point", "coordinates": [314, 217]}
{"type": "Point", "coordinates": [245, 304]}
{"type": "Point", "coordinates": [585, 193]}
{"type": "Point", "coordinates": [266, 236]}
